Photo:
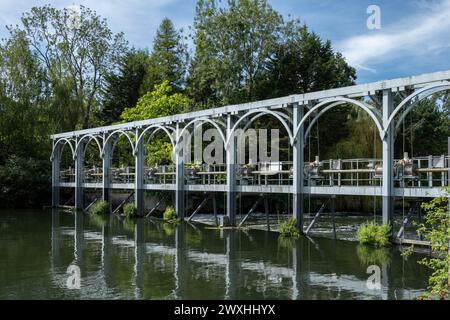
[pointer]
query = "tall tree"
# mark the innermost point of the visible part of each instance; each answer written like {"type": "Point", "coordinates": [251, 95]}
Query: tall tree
{"type": "Point", "coordinates": [302, 62]}
{"type": "Point", "coordinates": [75, 46]}
{"type": "Point", "coordinates": [425, 129]}
{"type": "Point", "coordinates": [122, 88]}
{"type": "Point", "coordinates": [168, 60]}
{"type": "Point", "coordinates": [160, 102]}
{"type": "Point", "coordinates": [245, 51]}
{"type": "Point", "coordinates": [233, 44]}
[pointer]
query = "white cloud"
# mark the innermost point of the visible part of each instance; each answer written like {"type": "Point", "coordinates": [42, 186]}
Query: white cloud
{"type": "Point", "coordinates": [421, 35]}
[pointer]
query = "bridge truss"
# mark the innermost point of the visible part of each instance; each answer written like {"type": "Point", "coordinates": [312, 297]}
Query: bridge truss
{"type": "Point", "coordinates": [387, 177]}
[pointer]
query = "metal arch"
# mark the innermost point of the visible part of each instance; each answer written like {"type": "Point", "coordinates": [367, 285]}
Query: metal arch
{"type": "Point", "coordinates": [67, 141]}
{"type": "Point", "coordinates": [315, 119]}
{"type": "Point", "coordinates": [412, 106]}
{"type": "Point", "coordinates": [445, 85]}
{"type": "Point", "coordinates": [205, 120]}
{"type": "Point", "coordinates": [360, 104]}
{"type": "Point", "coordinates": [92, 137]}
{"type": "Point", "coordinates": [121, 133]}
{"type": "Point", "coordinates": [260, 113]}
{"type": "Point", "coordinates": [159, 127]}
{"type": "Point", "coordinates": [154, 132]}
{"type": "Point", "coordinates": [220, 122]}
{"type": "Point", "coordinates": [325, 110]}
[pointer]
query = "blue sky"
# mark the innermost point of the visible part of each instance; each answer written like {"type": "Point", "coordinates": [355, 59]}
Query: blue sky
{"type": "Point", "coordinates": [414, 37]}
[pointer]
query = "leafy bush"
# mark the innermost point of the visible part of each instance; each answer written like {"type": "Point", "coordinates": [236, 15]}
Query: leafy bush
{"type": "Point", "coordinates": [24, 182]}
{"type": "Point", "coordinates": [130, 210]}
{"type": "Point", "coordinates": [374, 234]}
{"type": "Point", "coordinates": [169, 214]}
{"type": "Point", "coordinates": [100, 208]}
{"type": "Point", "coordinates": [436, 229]}
{"type": "Point", "coordinates": [288, 228]}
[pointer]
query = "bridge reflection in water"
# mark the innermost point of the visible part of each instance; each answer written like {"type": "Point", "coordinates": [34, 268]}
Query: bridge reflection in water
{"type": "Point", "coordinates": [146, 260]}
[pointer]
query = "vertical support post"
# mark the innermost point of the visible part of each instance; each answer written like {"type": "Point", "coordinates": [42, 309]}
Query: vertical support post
{"type": "Point", "coordinates": [266, 210]}
{"type": "Point", "coordinates": [298, 164]}
{"type": "Point", "coordinates": [333, 212]}
{"type": "Point", "coordinates": [215, 208]}
{"type": "Point", "coordinates": [139, 175]}
{"type": "Point", "coordinates": [79, 160]}
{"type": "Point", "coordinates": [179, 175]}
{"type": "Point", "coordinates": [388, 158]}
{"type": "Point", "coordinates": [56, 160]}
{"type": "Point", "coordinates": [231, 173]}
{"type": "Point", "coordinates": [106, 166]}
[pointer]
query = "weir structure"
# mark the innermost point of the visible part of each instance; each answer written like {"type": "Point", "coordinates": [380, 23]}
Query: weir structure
{"type": "Point", "coordinates": [387, 103]}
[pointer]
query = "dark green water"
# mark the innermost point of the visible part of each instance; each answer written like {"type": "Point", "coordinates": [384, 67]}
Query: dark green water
{"type": "Point", "coordinates": [119, 259]}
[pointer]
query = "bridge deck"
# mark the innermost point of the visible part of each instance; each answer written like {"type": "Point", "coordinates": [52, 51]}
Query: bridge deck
{"type": "Point", "coordinates": [387, 103]}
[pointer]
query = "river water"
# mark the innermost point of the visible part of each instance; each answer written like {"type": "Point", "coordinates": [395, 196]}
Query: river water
{"type": "Point", "coordinates": [57, 255]}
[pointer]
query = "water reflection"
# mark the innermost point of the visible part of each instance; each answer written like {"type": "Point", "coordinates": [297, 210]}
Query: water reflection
{"type": "Point", "coordinates": [143, 259]}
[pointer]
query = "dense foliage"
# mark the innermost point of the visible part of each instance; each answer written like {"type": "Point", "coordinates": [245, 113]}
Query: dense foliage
{"type": "Point", "coordinates": [246, 51]}
{"type": "Point", "coordinates": [289, 228]}
{"type": "Point", "coordinates": [130, 210]}
{"type": "Point", "coordinates": [374, 234]}
{"type": "Point", "coordinates": [169, 214]}
{"type": "Point", "coordinates": [123, 87]}
{"type": "Point", "coordinates": [160, 102]}
{"type": "Point", "coordinates": [436, 229]}
{"type": "Point", "coordinates": [168, 60]}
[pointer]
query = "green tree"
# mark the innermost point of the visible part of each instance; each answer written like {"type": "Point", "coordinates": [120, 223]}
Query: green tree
{"type": "Point", "coordinates": [302, 63]}
{"type": "Point", "coordinates": [123, 87]}
{"type": "Point", "coordinates": [160, 102]}
{"type": "Point", "coordinates": [437, 230]}
{"type": "Point", "coordinates": [168, 60]}
{"type": "Point", "coordinates": [232, 46]}
{"type": "Point", "coordinates": [76, 48]}
{"type": "Point", "coordinates": [425, 130]}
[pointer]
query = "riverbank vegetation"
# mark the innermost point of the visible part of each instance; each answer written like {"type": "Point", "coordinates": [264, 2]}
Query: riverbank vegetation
{"type": "Point", "coordinates": [436, 229]}
{"type": "Point", "coordinates": [170, 215]}
{"type": "Point", "coordinates": [59, 74]}
{"type": "Point", "coordinates": [372, 233]}
{"type": "Point", "coordinates": [288, 228]}
{"type": "Point", "coordinates": [130, 210]}
{"type": "Point", "coordinates": [100, 208]}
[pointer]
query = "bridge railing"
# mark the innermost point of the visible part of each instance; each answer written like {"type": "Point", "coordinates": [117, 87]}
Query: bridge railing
{"type": "Point", "coordinates": [92, 174]}
{"type": "Point", "coordinates": [265, 173]}
{"type": "Point", "coordinates": [122, 175]}
{"type": "Point", "coordinates": [67, 175]}
{"type": "Point", "coordinates": [348, 172]}
{"type": "Point", "coordinates": [162, 174]}
{"type": "Point", "coordinates": [419, 172]}
{"type": "Point", "coordinates": [426, 172]}
{"type": "Point", "coordinates": [206, 174]}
